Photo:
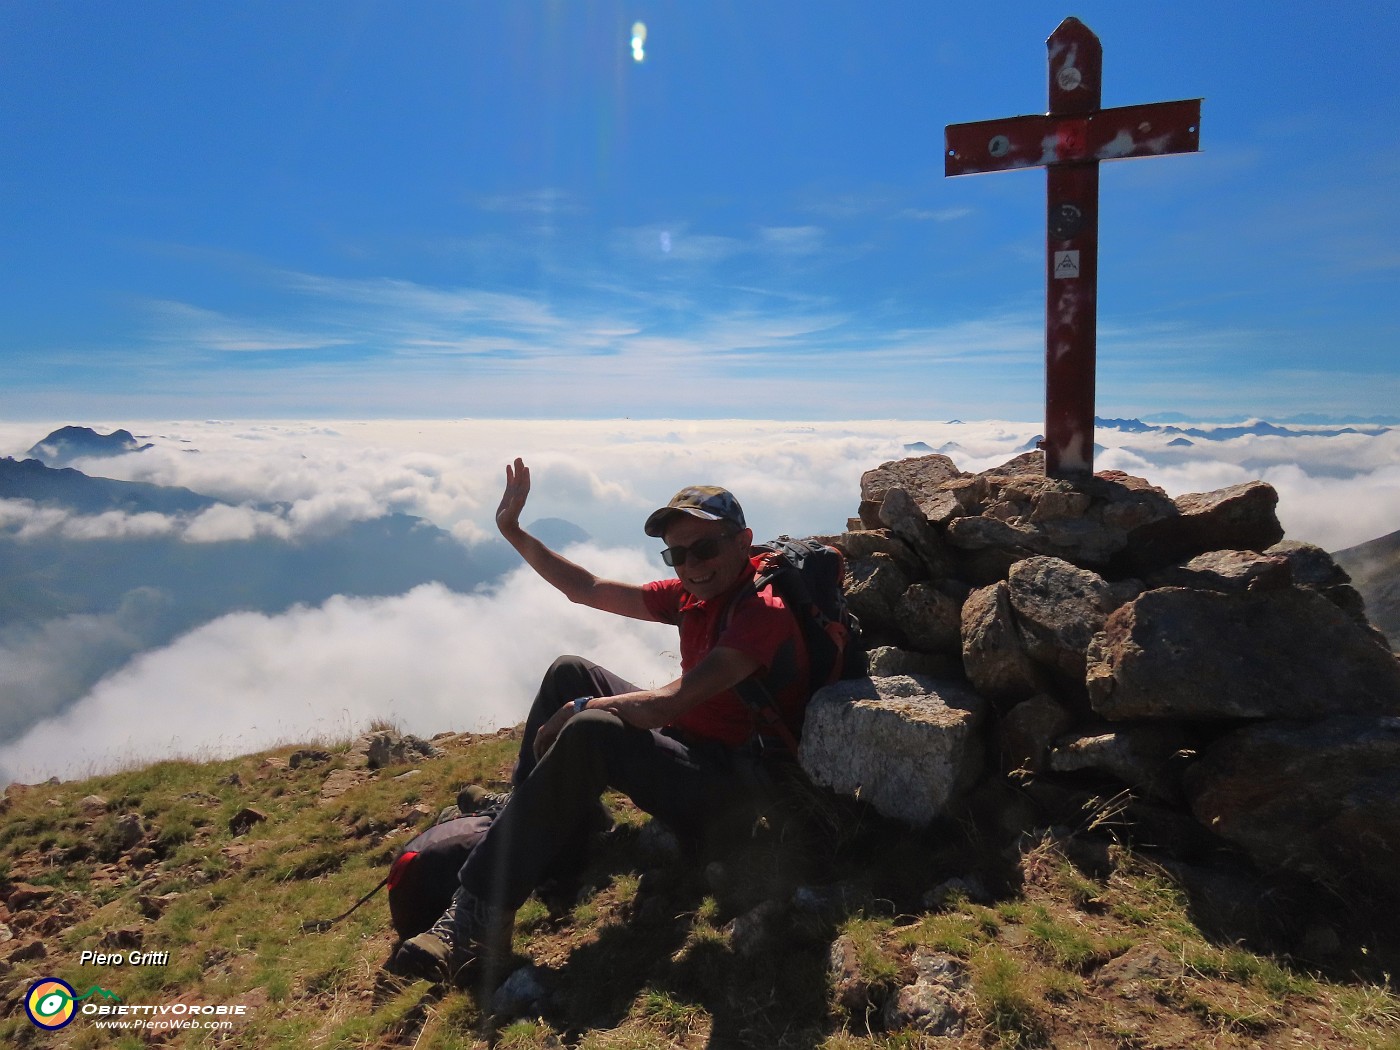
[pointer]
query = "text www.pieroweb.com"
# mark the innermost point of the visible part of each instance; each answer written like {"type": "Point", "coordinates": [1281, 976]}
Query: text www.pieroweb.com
{"type": "Point", "coordinates": [163, 1017]}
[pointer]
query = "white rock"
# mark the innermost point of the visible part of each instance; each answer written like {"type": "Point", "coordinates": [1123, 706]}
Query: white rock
{"type": "Point", "coordinates": [907, 744]}
{"type": "Point", "coordinates": [520, 991]}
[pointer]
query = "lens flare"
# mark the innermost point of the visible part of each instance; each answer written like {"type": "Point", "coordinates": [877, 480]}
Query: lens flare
{"type": "Point", "coordinates": [639, 39]}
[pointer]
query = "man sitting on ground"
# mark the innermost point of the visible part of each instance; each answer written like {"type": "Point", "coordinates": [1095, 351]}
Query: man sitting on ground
{"type": "Point", "coordinates": [678, 751]}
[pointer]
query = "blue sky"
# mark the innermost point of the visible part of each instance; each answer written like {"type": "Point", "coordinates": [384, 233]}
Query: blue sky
{"type": "Point", "coordinates": [360, 209]}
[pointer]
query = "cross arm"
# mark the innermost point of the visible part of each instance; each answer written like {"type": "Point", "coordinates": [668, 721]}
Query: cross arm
{"type": "Point", "coordinates": [1042, 140]}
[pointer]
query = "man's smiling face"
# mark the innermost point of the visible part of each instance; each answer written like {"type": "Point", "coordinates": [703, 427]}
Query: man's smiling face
{"type": "Point", "coordinates": [708, 577]}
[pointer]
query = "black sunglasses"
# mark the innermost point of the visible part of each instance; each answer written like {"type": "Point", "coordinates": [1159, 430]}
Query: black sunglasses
{"type": "Point", "coordinates": [700, 550]}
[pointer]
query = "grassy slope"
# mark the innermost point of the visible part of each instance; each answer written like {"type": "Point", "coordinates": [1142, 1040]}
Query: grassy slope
{"type": "Point", "coordinates": [1056, 956]}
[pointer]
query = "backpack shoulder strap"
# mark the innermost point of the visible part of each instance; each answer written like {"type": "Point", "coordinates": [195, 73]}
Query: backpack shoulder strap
{"type": "Point", "coordinates": [757, 697]}
{"type": "Point", "coordinates": [765, 713]}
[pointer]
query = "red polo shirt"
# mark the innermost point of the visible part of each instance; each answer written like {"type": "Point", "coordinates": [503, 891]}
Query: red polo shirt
{"type": "Point", "coordinates": [761, 627]}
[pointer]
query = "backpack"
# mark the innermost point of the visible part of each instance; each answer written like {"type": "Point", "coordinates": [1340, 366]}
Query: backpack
{"type": "Point", "coordinates": [809, 577]}
{"type": "Point", "coordinates": [423, 876]}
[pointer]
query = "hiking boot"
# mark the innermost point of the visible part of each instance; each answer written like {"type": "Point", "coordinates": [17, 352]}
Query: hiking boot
{"type": "Point", "coordinates": [429, 953]}
{"type": "Point", "coordinates": [476, 799]}
{"type": "Point", "coordinates": [469, 939]}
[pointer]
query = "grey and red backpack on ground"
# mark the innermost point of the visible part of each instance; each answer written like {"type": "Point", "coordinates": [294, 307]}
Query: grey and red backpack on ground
{"type": "Point", "coordinates": [423, 875]}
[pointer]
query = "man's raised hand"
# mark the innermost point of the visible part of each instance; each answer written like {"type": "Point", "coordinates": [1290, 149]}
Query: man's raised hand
{"type": "Point", "coordinates": [513, 499]}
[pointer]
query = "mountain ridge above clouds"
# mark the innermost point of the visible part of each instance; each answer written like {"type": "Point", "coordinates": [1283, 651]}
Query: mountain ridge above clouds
{"type": "Point", "coordinates": [32, 479]}
{"type": "Point", "coordinates": [1235, 429]}
{"type": "Point", "coordinates": [69, 443]}
{"type": "Point", "coordinates": [557, 533]}
{"type": "Point", "coordinates": [1307, 419]}
{"type": "Point", "coordinates": [94, 572]}
{"type": "Point", "coordinates": [1374, 568]}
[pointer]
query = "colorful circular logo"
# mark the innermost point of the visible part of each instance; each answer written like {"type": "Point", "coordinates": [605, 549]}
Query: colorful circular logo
{"type": "Point", "coordinates": [50, 1003]}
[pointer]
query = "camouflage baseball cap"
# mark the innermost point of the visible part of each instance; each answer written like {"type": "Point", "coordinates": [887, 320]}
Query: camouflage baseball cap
{"type": "Point", "coordinates": [709, 502]}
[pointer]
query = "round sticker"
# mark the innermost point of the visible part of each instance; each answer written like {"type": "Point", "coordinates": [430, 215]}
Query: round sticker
{"type": "Point", "coordinates": [1066, 221]}
{"type": "Point", "coordinates": [1069, 78]}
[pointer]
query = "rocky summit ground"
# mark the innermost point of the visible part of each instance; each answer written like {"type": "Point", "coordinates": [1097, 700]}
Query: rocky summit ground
{"type": "Point", "coordinates": [822, 926]}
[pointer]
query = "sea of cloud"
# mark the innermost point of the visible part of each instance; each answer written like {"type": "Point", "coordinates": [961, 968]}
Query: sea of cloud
{"type": "Point", "coordinates": [427, 660]}
{"type": "Point", "coordinates": [433, 660]}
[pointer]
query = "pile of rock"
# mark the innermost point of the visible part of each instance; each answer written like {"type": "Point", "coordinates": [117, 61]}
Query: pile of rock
{"type": "Point", "coordinates": [1178, 648]}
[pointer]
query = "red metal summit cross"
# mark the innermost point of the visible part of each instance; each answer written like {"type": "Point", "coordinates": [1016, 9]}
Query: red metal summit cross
{"type": "Point", "coordinates": [1069, 141]}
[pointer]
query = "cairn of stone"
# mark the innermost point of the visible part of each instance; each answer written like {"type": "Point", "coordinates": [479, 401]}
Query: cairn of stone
{"type": "Point", "coordinates": [1178, 655]}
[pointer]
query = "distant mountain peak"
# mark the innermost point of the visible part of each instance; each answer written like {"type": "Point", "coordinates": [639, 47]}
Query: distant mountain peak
{"type": "Point", "coordinates": [1128, 426]}
{"type": "Point", "coordinates": [558, 532]}
{"type": "Point", "coordinates": [71, 488]}
{"type": "Point", "coordinates": [69, 443]}
{"type": "Point", "coordinates": [1224, 432]}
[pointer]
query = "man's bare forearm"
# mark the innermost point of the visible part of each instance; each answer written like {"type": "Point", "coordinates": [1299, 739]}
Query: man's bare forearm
{"type": "Point", "coordinates": [646, 708]}
{"type": "Point", "coordinates": [574, 581]}
{"type": "Point", "coordinates": [654, 708]}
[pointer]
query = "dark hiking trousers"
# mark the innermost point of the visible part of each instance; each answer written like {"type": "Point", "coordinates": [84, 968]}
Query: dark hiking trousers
{"type": "Point", "coordinates": [686, 784]}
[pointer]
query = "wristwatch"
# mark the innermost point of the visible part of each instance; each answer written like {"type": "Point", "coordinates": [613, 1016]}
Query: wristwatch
{"type": "Point", "coordinates": [580, 703]}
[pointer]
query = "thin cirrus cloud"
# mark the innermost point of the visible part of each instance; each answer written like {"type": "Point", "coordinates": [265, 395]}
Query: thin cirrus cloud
{"type": "Point", "coordinates": [676, 242]}
{"type": "Point", "coordinates": [404, 319]}
{"type": "Point", "coordinates": [397, 296]}
{"type": "Point", "coordinates": [193, 327]}
{"type": "Point", "coordinates": [801, 362]}
{"type": "Point", "coordinates": [401, 309]}
{"type": "Point", "coordinates": [617, 337]}
{"type": "Point", "coordinates": [673, 244]}
{"type": "Point", "coordinates": [936, 214]}
{"type": "Point", "coordinates": [792, 240]}
{"type": "Point", "coordinates": [546, 201]}
{"type": "Point", "coordinates": [394, 318]}
{"type": "Point", "coordinates": [383, 345]}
